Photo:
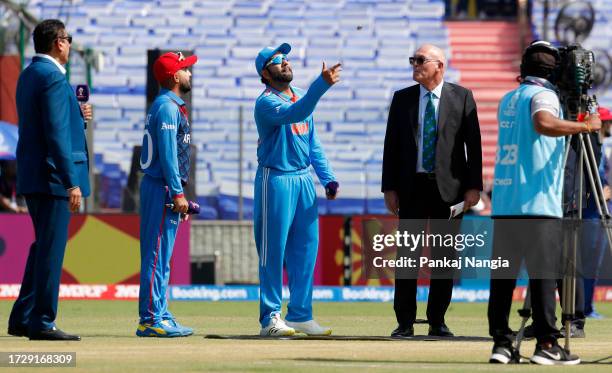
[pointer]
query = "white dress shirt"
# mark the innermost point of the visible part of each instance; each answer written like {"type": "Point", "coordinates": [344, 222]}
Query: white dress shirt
{"type": "Point", "coordinates": [59, 66]}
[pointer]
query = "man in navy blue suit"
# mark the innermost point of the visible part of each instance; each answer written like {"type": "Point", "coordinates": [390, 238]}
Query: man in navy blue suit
{"type": "Point", "coordinates": [52, 174]}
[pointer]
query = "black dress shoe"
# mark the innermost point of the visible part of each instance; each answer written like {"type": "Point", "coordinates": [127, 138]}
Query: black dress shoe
{"type": "Point", "coordinates": [440, 331]}
{"type": "Point", "coordinates": [403, 331]}
{"type": "Point", "coordinates": [18, 331]}
{"type": "Point", "coordinates": [53, 335]}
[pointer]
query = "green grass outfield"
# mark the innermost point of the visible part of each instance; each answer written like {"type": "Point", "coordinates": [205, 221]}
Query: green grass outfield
{"type": "Point", "coordinates": [109, 344]}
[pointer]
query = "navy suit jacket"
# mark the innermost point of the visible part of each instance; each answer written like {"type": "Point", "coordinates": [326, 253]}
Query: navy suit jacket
{"type": "Point", "coordinates": [52, 151]}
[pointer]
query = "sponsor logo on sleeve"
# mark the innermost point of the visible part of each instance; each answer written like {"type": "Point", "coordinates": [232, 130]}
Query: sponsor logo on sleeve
{"type": "Point", "coordinates": [166, 126]}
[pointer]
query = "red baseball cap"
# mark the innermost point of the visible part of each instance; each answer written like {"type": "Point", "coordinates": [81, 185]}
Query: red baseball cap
{"type": "Point", "coordinates": [169, 63]}
{"type": "Point", "coordinates": [604, 114]}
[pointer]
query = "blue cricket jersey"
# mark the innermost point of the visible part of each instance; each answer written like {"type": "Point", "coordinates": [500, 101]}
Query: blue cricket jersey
{"type": "Point", "coordinates": [288, 140]}
{"type": "Point", "coordinates": [165, 145]}
{"type": "Point", "coordinates": [529, 166]}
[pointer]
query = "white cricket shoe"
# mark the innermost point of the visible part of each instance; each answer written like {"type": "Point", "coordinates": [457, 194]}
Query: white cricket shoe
{"type": "Point", "coordinates": [309, 327]}
{"type": "Point", "coordinates": [276, 328]}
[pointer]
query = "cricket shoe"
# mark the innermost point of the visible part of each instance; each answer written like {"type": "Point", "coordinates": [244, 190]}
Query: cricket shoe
{"type": "Point", "coordinates": [553, 355]}
{"type": "Point", "coordinates": [277, 328]}
{"type": "Point", "coordinates": [309, 327]}
{"type": "Point", "coordinates": [595, 315]}
{"type": "Point", "coordinates": [159, 329]}
{"type": "Point", "coordinates": [504, 355]}
{"type": "Point", "coordinates": [185, 331]}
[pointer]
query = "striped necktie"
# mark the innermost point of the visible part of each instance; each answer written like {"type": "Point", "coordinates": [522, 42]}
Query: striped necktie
{"type": "Point", "coordinates": [429, 135]}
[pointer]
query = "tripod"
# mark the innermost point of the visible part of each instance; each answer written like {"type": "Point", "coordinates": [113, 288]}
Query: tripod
{"type": "Point", "coordinates": [586, 159]}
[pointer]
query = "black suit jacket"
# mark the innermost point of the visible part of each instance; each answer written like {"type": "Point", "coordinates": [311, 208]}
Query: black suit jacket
{"type": "Point", "coordinates": [458, 149]}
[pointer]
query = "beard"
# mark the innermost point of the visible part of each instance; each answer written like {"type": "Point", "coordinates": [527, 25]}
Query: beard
{"type": "Point", "coordinates": [184, 87]}
{"type": "Point", "coordinates": [282, 76]}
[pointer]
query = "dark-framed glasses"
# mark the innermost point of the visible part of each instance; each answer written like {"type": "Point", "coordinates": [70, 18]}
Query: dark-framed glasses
{"type": "Point", "coordinates": [67, 38]}
{"type": "Point", "coordinates": [420, 60]}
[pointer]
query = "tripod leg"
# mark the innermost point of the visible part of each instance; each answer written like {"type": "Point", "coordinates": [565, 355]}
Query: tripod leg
{"type": "Point", "coordinates": [568, 304]}
{"type": "Point", "coordinates": [568, 287]}
{"type": "Point", "coordinates": [569, 290]}
{"type": "Point", "coordinates": [525, 314]}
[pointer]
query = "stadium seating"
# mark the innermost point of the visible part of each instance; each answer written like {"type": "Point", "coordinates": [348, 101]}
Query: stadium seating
{"type": "Point", "coordinates": [373, 39]}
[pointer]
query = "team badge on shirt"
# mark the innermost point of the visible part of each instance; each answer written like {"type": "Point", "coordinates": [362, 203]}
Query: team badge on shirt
{"type": "Point", "coordinates": [299, 128]}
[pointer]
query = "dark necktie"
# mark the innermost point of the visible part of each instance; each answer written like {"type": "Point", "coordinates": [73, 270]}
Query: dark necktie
{"type": "Point", "coordinates": [429, 135]}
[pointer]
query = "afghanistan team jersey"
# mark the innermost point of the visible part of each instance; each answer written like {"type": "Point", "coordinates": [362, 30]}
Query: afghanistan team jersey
{"type": "Point", "coordinates": [288, 140]}
{"type": "Point", "coordinates": [165, 145]}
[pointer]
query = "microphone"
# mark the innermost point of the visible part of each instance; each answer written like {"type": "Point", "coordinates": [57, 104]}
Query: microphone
{"type": "Point", "coordinates": [82, 95]}
{"type": "Point", "coordinates": [193, 209]}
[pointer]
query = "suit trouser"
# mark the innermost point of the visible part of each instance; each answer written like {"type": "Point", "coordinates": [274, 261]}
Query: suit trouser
{"type": "Point", "coordinates": [36, 306]}
{"type": "Point", "coordinates": [540, 248]}
{"type": "Point", "coordinates": [425, 202]}
{"type": "Point", "coordinates": [286, 224]}
{"type": "Point", "coordinates": [158, 227]}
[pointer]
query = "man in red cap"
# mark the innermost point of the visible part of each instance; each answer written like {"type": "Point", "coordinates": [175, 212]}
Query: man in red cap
{"type": "Point", "coordinates": [165, 163]}
{"type": "Point", "coordinates": [596, 241]}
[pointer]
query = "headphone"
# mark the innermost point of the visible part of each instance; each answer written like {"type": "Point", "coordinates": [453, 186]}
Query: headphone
{"type": "Point", "coordinates": [536, 47]}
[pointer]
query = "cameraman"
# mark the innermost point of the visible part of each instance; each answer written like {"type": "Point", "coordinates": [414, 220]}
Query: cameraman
{"type": "Point", "coordinates": [527, 188]}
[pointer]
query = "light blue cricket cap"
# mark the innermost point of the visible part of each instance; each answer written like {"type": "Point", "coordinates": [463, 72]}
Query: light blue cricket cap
{"type": "Point", "coordinates": [268, 52]}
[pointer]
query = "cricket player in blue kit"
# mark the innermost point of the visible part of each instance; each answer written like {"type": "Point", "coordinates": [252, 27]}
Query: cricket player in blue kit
{"type": "Point", "coordinates": [165, 163]}
{"type": "Point", "coordinates": [286, 215]}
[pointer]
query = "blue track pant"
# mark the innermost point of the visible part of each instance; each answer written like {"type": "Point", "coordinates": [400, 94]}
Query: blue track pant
{"type": "Point", "coordinates": [286, 233]}
{"type": "Point", "coordinates": [158, 227]}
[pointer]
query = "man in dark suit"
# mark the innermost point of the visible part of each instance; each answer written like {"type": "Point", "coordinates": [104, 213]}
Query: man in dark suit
{"type": "Point", "coordinates": [432, 160]}
{"type": "Point", "coordinates": [52, 174]}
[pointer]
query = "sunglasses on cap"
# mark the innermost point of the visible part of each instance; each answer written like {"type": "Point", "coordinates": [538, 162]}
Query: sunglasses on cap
{"type": "Point", "coordinates": [276, 60]}
{"type": "Point", "coordinates": [420, 60]}
{"type": "Point", "coordinates": [67, 38]}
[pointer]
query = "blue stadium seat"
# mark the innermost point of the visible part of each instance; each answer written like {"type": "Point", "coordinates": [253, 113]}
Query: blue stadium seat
{"type": "Point", "coordinates": [350, 119]}
{"type": "Point", "coordinates": [351, 200]}
{"type": "Point", "coordinates": [375, 201]}
{"type": "Point", "coordinates": [228, 207]}
{"type": "Point", "coordinates": [346, 206]}
{"type": "Point", "coordinates": [209, 208]}
{"type": "Point", "coordinates": [111, 89]}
